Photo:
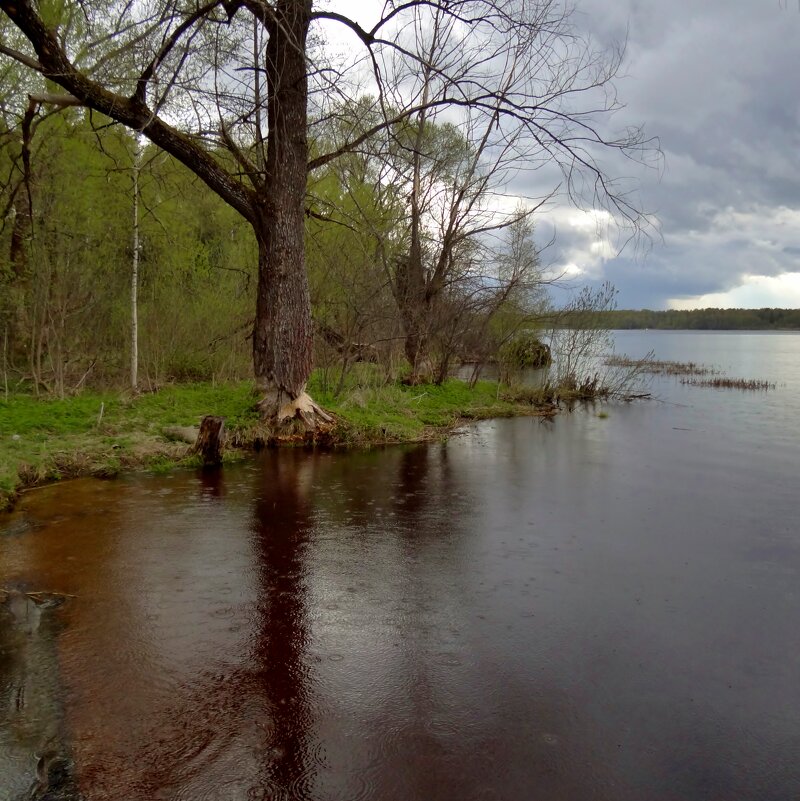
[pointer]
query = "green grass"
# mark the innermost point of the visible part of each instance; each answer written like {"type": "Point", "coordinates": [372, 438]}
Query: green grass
{"type": "Point", "coordinates": [398, 413]}
{"type": "Point", "coordinates": [48, 439]}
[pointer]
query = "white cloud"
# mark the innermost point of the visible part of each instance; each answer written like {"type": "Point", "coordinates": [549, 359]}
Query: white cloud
{"type": "Point", "coordinates": [755, 292]}
{"type": "Point", "coordinates": [716, 82]}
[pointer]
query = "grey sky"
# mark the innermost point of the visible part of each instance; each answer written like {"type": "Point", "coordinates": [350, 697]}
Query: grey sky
{"type": "Point", "coordinates": [717, 82]}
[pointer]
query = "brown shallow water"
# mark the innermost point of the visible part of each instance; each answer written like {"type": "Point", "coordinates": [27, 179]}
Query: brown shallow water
{"type": "Point", "coordinates": [592, 609]}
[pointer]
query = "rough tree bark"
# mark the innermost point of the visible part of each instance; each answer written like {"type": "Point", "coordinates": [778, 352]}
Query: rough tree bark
{"type": "Point", "coordinates": [282, 335]}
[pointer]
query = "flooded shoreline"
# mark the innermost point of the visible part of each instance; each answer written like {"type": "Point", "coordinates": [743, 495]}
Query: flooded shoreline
{"type": "Point", "coordinates": [590, 608]}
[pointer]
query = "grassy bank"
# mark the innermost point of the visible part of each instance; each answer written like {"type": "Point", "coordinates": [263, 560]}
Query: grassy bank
{"type": "Point", "coordinates": [103, 434]}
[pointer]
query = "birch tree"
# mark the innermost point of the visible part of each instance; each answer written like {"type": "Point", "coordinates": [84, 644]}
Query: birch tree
{"type": "Point", "coordinates": [137, 168]}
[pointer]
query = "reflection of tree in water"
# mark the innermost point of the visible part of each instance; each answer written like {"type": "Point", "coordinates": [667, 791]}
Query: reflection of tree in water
{"type": "Point", "coordinates": [421, 519]}
{"type": "Point", "coordinates": [424, 498]}
{"type": "Point", "coordinates": [247, 728]}
{"type": "Point", "coordinates": [212, 483]}
{"type": "Point", "coordinates": [413, 485]}
{"type": "Point", "coordinates": [281, 526]}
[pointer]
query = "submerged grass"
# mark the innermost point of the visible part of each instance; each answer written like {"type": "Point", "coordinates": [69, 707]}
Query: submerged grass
{"type": "Point", "coordinates": [102, 434]}
{"type": "Point", "coordinates": [730, 383]}
{"type": "Point", "coordinates": [692, 374]}
{"type": "Point", "coordinates": [659, 367]}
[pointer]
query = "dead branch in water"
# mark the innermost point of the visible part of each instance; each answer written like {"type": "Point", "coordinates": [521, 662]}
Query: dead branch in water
{"type": "Point", "coordinates": [39, 596]}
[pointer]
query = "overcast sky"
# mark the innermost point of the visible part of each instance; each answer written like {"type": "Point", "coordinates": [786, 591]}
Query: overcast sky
{"type": "Point", "coordinates": [718, 82]}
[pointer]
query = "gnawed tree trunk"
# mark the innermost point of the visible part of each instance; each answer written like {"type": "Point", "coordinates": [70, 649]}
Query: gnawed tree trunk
{"type": "Point", "coordinates": [283, 336]}
{"type": "Point", "coordinates": [283, 343]}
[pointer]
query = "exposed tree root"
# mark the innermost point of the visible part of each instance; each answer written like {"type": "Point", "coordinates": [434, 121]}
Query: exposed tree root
{"type": "Point", "coordinates": [284, 413]}
{"type": "Point", "coordinates": [306, 410]}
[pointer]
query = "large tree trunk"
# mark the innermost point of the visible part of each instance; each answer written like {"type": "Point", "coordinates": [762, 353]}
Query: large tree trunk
{"type": "Point", "coordinates": [410, 279]}
{"type": "Point", "coordinates": [411, 287]}
{"type": "Point", "coordinates": [410, 295]}
{"type": "Point", "coordinates": [282, 336]}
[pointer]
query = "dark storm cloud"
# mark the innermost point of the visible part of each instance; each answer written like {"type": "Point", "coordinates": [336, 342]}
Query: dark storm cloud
{"type": "Point", "coordinates": [717, 83]}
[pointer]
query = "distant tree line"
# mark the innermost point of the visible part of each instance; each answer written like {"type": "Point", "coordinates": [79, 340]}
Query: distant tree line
{"type": "Point", "coordinates": [704, 319]}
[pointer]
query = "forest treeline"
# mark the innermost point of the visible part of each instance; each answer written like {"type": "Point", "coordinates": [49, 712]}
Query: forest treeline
{"type": "Point", "coordinates": [703, 319]}
{"type": "Point", "coordinates": [67, 245]}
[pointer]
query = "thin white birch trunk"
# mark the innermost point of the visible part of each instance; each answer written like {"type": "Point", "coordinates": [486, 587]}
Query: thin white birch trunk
{"type": "Point", "coordinates": [137, 165]}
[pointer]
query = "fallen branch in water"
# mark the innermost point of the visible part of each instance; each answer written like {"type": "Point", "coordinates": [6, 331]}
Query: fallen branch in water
{"type": "Point", "coordinates": [45, 594]}
{"type": "Point", "coordinates": [38, 596]}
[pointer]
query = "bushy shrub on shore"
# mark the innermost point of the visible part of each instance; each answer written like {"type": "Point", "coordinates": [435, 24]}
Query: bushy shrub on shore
{"type": "Point", "coordinates": [524, 351]}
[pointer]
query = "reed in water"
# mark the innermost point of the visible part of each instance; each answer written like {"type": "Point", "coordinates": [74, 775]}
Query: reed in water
{"type": "Point", "coordinates": [659, 367]}
{"type": "Point", "coordinates": [729, 383]}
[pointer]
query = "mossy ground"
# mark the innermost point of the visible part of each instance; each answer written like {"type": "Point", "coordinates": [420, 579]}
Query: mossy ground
{"type": "Point", "coordinates": [49, 439]}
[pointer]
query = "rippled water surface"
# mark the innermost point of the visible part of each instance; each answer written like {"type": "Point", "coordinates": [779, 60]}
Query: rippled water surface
{"type": "Point", "coordinates": [593, 608]}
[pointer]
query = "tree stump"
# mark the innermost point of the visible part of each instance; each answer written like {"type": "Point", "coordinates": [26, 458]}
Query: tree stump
{"type": "Point", "coordinates": [210, 440]}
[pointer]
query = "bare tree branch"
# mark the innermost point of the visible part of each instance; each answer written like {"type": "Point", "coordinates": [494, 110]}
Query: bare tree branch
{"type": "Point", "coordinates": [129, 111]}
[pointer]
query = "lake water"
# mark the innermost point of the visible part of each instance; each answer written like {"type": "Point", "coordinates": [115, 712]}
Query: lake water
{"type": "Point", "coordinates": [594, 608]}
